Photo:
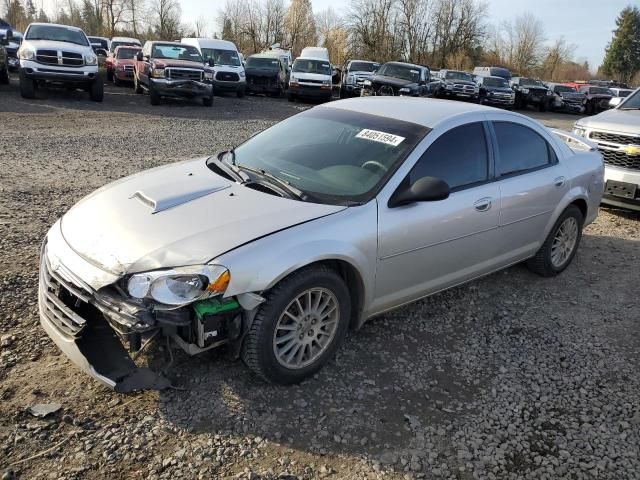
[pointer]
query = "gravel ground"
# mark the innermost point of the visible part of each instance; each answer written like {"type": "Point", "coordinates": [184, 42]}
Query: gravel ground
{"type": "Point", "coordinates": [511, 376]}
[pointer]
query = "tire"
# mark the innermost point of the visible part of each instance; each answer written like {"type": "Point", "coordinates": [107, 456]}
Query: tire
{"type": "Point", "coordinates": [207, 101]}
{"type": "Point", "coordinates": [542, 263]}
{"type": "Point", "coordinates": [291, 98]}
{"type": "Point", "coordinates": [240, 93]}
{"type": "Point", "coordinates": [4, 75]}
{"type": "Point", "coordinates": [27, 86]}
{"type": "Point", "coordinates": [110, 76]}
{"type": "Point", "coordinates": [96, 90]}
{"type": "Point", "coordinates": [116, 82]}
{"type": "Point", "coordinates": [136, 85]}
{"type": "Point", "coordinates": [154, 97]}
{"type": "Point", "coordinates": [542, 107]}
{"type": "Point", "coordinates": [258, 348]}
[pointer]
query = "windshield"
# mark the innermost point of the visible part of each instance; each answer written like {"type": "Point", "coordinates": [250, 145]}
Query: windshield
{"type": "Point", "coordinates": [458, 76]}
{"type": "Point", "coordinates": [332, 155]}
{"type": "Point", "coordinates": [257, 62]}
{"type": "Point", "coordinates": [564, 89]}
{"type": "Point", "coordinates": [632, 102]}
{"type": "Point", "coordinates": [98, 42]}
{"type": "Point", "coordinates": [303, 65]}
{"type": "Point", "coordinates": [56, 34]}
{"type": "Point", "coordinates": [495, 82]}
{"type": "Point", "coordinates": [403, 72]}
{"type": "Point", "coordinates": [624, 93]}
{"type": "Point", "coordinates": [221, 57]}
{"type": "Point", "coordinates": [176, 52]}
{"type": "Point", "coordinates": [531, 82]}
{"type": "Point", "coordinates": [363, 66]}
{"type": "Point", "coordinates": [127, 53]}
{"type": "Point", "coordinates": [600, 91]}
{"type": "Point", "coordinates": [115, 45]}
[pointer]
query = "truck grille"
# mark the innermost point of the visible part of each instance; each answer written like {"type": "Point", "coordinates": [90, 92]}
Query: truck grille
{"type": "Point", "coordinates": [57, 57]}
{"type": "Point", "coordinates": [184, 74]}
{"type": "Point", "coordinates": [466, 89]}
{"type": "Point", "coordinates": [128, 68]}
{"type": "Point", "coordinates": [615, 138]}
{"type": "Point", "coordinates": [227, 77]}
{"type": "Point", "coordinates": [60, 298]}
{"type": "Point", "coordinates": [620, 159]}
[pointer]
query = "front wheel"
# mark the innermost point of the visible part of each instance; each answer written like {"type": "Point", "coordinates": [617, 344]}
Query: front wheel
{"type": "Point", "coordinates": [96, 90]}
{"type": "Point", "coordinates": [240, 93]}
{"type": "Point", "coordinates": [207, 101]}
{"type": "Point", "coordinates": [136, 85]}
{"type": "Point", "coordinates": [154, 97]}
{"type": "Point", "coordinates": [110, 75]}
{"type": "Point", "coordinates": [4, 75]}
{"type": "Point", "coordinates": [27, 86]}
{"type": "Point", "coordinates": [561, 244]}
{"type": "Point", "coordinates": [299, 327]}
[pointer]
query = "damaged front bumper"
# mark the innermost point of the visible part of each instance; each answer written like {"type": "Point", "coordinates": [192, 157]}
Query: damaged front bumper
{"type": "Point", "coordinates": [90, 321]}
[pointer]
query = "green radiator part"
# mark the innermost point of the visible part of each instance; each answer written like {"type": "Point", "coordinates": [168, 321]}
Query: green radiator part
{"type": "Point", "coordinates": [214, 306]}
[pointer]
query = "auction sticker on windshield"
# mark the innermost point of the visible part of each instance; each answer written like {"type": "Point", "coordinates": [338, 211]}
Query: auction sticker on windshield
{"type": "Point", "coordinates": [382, 137]}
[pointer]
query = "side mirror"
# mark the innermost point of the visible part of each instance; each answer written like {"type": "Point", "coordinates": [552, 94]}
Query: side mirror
{"type": "Point", "coordinates": [210, 62]}
{"type": "Point", "coordinates": [426, 189]}
{"type": "Point", "coordinates": [139, 56]}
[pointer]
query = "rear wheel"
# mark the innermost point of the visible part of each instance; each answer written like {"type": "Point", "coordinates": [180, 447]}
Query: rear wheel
{"type": "Point", "coordinates": [299, 327]}
{"type": "Point", "coordinates": [561, 244]}
{"type": "Point", "coordinates": [27, 86]}
{"type": "Point", "coordinates": [4, 75]}
{"type": "Point", "coordinates": [96, 90]}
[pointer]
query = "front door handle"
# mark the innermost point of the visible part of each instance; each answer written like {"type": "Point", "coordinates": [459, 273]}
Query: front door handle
{"type": "Point", "coordinates": [558, 182]}
{"type": "Point", "coordinates": [483, 205]}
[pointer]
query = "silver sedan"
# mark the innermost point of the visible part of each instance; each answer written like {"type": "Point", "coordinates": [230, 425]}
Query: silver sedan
{"type": "Point", "coordinates": [338, 214]}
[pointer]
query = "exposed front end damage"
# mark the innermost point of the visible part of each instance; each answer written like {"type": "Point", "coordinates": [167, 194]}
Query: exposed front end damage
{"type": "Point", "coordinates": [99, 326]}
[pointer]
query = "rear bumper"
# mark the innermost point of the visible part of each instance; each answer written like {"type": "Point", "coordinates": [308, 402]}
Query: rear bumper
{"type": "Point", "coordinates": [181, 88]}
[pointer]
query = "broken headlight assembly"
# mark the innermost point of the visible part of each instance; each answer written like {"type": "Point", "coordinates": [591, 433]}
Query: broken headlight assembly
{"type": "Point", "coordinates": [179, 286]}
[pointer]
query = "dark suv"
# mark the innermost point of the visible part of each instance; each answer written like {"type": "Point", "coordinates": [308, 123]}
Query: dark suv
{"type": "Point", "coordinates": [531, 92]}
{"type": "Point", "coordinates": [5, 37]}
{"type": "Point", "coordinates": [266, 73]}
{"type": "Point", "coordinates": [398, 78]}
{"type": "Point", "coordinates": [171, 69]}
{"type": "Point", "coordinates": [458, 85]}
{"type": "Point", "coordinates": [495, 91]}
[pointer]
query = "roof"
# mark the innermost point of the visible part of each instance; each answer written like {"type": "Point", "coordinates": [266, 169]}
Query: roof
{"type": "Point", "coordinates": [275, 55]}
{"type": "Point", "coordinates": [125, 39]}
{"type": "Point", "coordinates": [405, 64]}
{"type": "Point", "coordinates": [209, 42]}
{"type": "Point", "coordinates": [422, 111]}
{"type": "Point", "coordinates": [70, 27]}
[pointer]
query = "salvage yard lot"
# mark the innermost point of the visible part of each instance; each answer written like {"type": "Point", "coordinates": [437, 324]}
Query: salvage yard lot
{"type": "Point", "coordinates": [510, 376]}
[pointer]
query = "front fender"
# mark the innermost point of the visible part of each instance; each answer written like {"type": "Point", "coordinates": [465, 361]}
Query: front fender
{"type": "Point", "coordinates": [349, 235]}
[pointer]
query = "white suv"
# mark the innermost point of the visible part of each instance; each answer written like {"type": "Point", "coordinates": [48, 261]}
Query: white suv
{"type": "Point", "coordinates": [58, 54]}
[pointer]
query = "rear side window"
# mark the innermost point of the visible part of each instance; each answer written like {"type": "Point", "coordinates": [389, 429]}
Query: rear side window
{"type": "Point", "coordinates": [459, 157]}
{"type": "Point", "coordinates": [520, 149]}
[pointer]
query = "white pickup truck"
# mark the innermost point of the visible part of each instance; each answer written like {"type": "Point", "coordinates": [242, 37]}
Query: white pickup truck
{"type": "Point", "coordinates": [58, 54]}
{"type": "Point", "coordinates": [617, 134]}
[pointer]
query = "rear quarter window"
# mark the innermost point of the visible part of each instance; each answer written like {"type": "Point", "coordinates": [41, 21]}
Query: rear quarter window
{"type": "Point", "coordinates": [520, 149]}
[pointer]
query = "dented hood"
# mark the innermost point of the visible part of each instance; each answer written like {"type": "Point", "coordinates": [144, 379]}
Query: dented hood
{"type": "Point", "coordinates": [179, 214]}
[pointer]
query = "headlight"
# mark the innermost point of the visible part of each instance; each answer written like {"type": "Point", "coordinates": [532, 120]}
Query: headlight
{"type": "Point", "coordinates": [404, 90]}
{"type": "Point", "coordinates": [180, 286]}
{"type": "Point", "coordinates": [208, 75]}
{"type": "Point", "coordinates": [448, 86]}
{"type": "Point", "coordinates": [242, 74]}
{"type": "Point", "coordinates": [351, 78]}
{"type": "Point", "coordinates": [584, 101]}
{"type": "Point", "coordinates": [91, 59]}
{"type": "Point", "coordinates": [293, 80]}
{"type": "Point", "coordinates": [490, 94]}
{"type": "Point", "coordinates": [579, 130]}
{"type": "Point", "coordinates": [476, 89]}
{"type": "Point", "coordinates": [367, 83]}
{"type": "Point", "coordinates": [525, 90]}
{"type": "Point", "coordinates": [549, 92]}
{"type": "Point", "coordinates": [157, 73]}
{"type": "Point", "coordinates": [27, 54]}
{"type": "Point", "coordinates": [326, 83]}
{"type": "Point", "coordinates": [513, 95]}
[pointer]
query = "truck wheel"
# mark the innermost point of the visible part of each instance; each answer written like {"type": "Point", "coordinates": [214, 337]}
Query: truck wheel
{"type": "Point", "coordinates": [542, 107]}
{"type": "Point", "coordinates": [96, 90]}
{"type": "Point", "coordinates": [240, 93]}
{"type": "Point", "coordinates": [110, 75]}
{"type": "Point", "coordinates": [291, 98]}
{"type": "Point", "coordinates": [561, 245]}
{"type": "Point", "coordinates": [154, 97]}
{"type": "Point", "coordinates": [207, 101]}
{"type": "Point", "coordinates": [299, 327]}
{"type": "Point", "coordinates": [116, 82]}
{"type": "Point", "coordinates": [4, 75]}
{"type": "Point", "coordinates": [27, 86]}
{"type": "Point", "coordinates": [136, 85]}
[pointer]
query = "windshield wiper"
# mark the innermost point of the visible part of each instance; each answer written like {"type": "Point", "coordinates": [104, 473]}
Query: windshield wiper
{"type": "Point", "coordinates": [299, 194]}
{"type": "Point", "coordinates": [230, 168]}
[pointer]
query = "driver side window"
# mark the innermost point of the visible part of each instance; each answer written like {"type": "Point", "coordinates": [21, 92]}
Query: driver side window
{"type": "Point", "coordinates": [459, 157]}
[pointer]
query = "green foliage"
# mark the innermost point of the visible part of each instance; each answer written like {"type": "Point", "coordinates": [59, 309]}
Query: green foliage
{"type": "Point", "coordinates": [622, 57]}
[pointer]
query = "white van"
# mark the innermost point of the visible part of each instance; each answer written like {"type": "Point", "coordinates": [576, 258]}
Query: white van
{"type": "Point", "coordinates": [223, 56]}
{"type": "Point", "coordinates": [311, 75]}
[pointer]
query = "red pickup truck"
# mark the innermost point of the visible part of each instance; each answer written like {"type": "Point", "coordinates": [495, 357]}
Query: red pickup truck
{"type": "Point", "coordinates": [122, 64]}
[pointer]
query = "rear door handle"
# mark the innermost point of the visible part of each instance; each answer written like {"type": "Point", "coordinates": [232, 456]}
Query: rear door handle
{"type": "Point", "coordinates": [558, 182]}
{"type": "Point", "coordinates": [483, 205]}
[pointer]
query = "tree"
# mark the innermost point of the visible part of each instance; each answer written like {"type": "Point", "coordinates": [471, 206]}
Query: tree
{"type": "Point", "coordinates": [622, 56]}
{"type": "Point", "coordinates": [200, 27]}
{"type": "Point", "coordinates": [555, 56]}
{"type": "Point", "coordinates": [523, 43]}
{"type": "Point", "coordinates": [300, 26]}
{"type": "Point", "coordinates": [15, 14]}
{"type": "Point", "coordinates": [332, 35]}
{"type": "Point", "coordinates": [166, 23]}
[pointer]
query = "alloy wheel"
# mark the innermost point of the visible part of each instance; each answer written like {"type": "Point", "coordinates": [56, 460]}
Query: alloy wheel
{"type": "Point", "coordinates": [564, 242]}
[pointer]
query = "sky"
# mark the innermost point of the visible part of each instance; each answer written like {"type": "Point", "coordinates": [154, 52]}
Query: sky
{"type": "Point", "coordinates": [587, 24]}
